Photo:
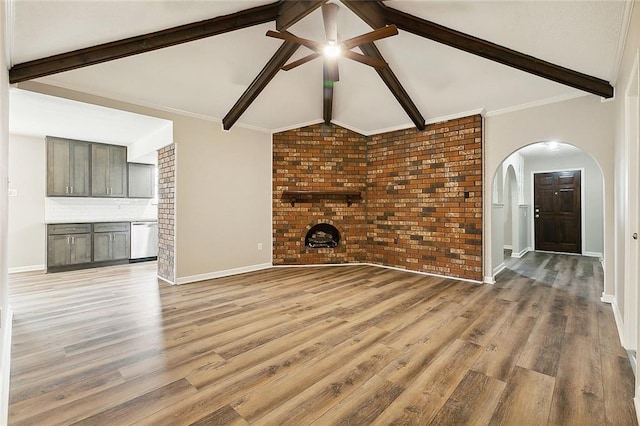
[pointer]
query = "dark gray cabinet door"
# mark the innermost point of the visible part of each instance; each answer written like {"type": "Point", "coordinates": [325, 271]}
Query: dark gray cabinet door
{"type": "Point", "coordinates": [142, 178]}
{"type": "Point", "coordinates": [67, 168]}
{"type": "Point", "coordinates": [101, 247]}
{"type": "Point", "coordinates": [108, 171]}
{"type": "Point", "coordinates": [121, 245]}
{"type": "Point", "coordinates": [69, 249]}
{"type": "Point", "coordinates": [80, 249]}
{"type": "Point", "coordinates": [110, 246]}
{"type": "Point", "coordinates": [58, 250]}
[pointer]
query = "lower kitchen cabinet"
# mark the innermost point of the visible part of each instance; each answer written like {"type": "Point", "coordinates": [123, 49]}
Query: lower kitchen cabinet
{"type": "Point", "coordinates": [85, 245]}
{"type": "Point", "coordinates": [111, 241]}
{"type": "Point", "coordinates": [68, 244]}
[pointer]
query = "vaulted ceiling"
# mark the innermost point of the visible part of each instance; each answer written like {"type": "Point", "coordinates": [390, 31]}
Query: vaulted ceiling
{"type": "Point", "coordinates": [207, 77]}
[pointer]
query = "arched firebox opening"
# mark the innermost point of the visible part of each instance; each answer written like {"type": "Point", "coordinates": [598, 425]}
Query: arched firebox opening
{"type": "Point", "coordinates": [322, 235]}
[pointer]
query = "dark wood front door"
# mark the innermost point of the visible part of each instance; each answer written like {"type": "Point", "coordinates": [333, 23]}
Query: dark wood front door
{"type": "Point", "coordinates": [557, 212]}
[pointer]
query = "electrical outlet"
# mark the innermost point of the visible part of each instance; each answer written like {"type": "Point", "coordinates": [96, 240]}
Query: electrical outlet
{"type": "Point", "coordinates": [259, 246]}
{"type": "Point", "coordinates": [12, 192]}
{"type": "Point", "coordinates": [395, 240]}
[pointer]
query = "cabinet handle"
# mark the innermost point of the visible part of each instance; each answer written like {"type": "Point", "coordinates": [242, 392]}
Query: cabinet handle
{"type": "Point", "coordinates": [72, 189]}
{"type": "Point", "coordinates": [73, 240]}
{"type": "Point", "coordinates": [68, 240]}
{"type": "Point", "coordinates": [66, 189]}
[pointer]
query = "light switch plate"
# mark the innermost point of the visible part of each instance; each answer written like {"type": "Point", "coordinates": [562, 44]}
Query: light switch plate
{"type": "Point", "coordinates": [12, 192]}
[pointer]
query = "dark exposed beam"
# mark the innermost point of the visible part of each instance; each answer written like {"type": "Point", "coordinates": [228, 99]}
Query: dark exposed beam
{"type": "Point", "coordinates": [497, 53]}
{"type": "Point", "coordinates": [293, 11]}
{"type": "Point", "coordinates": [371, 12]}
{"type": "Point", "coordinates": [260, 82]}
{"type": "Point", "coordinates": [394, 85]}
{"type": "Point", "coordinates": [327, 94]}
{"type": "Point", "coordinates": [144, 43]}
{"type": "Point", "coordinates": [377, 15]}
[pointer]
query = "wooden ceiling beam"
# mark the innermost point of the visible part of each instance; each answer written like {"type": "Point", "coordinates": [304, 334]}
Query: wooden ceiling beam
{"type": "Point", "coordinates": [277, 61]}
{"type": "Point", "coordinates": [497, 53]}
{"type": "Point", "coordinates": [293, 11]}
{"type": "Point", "coordinates": [377, 15]}
{"type": "Point", "coordinates": [144, 43]}
{"type": "Point", "coordinates": [396, 88]}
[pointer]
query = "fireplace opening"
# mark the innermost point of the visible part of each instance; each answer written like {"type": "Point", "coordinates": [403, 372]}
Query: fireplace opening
{"type": "Point", "coordinates": [322, 235]}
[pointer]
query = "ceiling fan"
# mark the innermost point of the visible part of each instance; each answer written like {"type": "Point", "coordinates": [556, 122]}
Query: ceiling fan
{"type": "Point", "coordinates": [331, 50]}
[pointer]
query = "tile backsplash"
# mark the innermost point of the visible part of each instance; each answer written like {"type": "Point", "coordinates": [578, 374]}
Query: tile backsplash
{"type": "Point", "coordinates": [63, 209]}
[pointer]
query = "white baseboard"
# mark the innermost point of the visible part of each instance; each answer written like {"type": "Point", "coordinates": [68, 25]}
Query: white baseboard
{"type": "Point", "coordinates": [617, 316]}
{"type": "Point", "coordinates": [592, 254]}
{"type": "Point", "coordinates": [380, 266]}
{"type": "Point", "coordinates": [607, 298]}
{"type": "Point", "coordinates": [28, 268]}
{"type": "Point", "coordinates": [220, 274]}
{"type": "Point", "coordinates": [489, 280]}
{"type": "Point", "coordinates": [5, 365]}
{"type": "Point", "coordinates": [165, 280]}
{"type": "Point", "coordinates": [521, 253]}
{"type": "Point", "coordinates": [499, 269]}
{"type": "Point", "coordinates": [506, 247]}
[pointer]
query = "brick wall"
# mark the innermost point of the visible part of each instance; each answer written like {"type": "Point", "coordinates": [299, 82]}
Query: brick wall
{"type": "Point", "coordinates": [166, 212]}
{"type": "Point", "coordinates": [417, 214]}
{"type": "Point", "coordinates": [413, 213]}
{"type": "Point", "coordinates": [318, 157]}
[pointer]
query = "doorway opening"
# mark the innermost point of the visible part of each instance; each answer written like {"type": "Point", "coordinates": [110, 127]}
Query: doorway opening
{"type": "Point", "coordinates": [565, 169]}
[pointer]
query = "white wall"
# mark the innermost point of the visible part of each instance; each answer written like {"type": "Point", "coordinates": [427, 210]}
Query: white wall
{"type": "Point", "coordinates": [592, 184]}
{"type": "Point", "coordinates": [585, 122]}
{"type": "Point", "coordinates": [5, 319]}
{"type": "Point", "coordinates": [223, 191]}
{"type": "Point", "coordinates": [26, 210]}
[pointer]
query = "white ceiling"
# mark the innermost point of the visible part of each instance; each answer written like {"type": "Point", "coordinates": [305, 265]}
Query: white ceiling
{"type": "Point", "coordinates": [207, 77]}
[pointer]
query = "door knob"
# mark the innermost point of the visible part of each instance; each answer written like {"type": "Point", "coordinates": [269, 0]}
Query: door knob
{"type": "Point", "coordinates": [635, 235]}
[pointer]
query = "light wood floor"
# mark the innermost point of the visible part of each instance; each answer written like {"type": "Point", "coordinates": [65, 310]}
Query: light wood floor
{"type": "Point", "coordinates": [321, 345]}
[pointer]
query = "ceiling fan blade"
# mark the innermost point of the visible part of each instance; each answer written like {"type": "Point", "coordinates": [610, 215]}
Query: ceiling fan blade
{"type": "Point", "coordinates": [379, 34]}
{"type": "Point", "coordinates": [364, 59]}
{"type": "Point", "coordinates": [286, 36]}
{"type": "Point", "coordinates": [330, 18]}
{"type": "Point", "coordinates": [300, 61]}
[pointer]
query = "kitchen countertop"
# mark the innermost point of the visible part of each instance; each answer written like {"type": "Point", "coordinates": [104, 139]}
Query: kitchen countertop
{"type": "Point", "coordinates": [55, 222]}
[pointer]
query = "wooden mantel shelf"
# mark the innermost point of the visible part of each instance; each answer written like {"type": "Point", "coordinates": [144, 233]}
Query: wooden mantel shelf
{"type": "Point", "coordinates": [349, 195]}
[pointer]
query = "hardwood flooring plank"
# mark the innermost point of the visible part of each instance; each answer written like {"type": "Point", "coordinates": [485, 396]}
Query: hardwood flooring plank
{"type": "Point", "coordinates": [616, 371]}
{"type": "Point", "coordinates": [501, 354]}
{"type": "Point", "coordinates": [473, 402]}
{"type": "Point", "coordinates": [578, 392]}
{"type": "Point", "coordinates": [364, 405]}
{"type": "Point", "coordinates": [425, 396]}
{"type": "Point", "coordinates": [542, 350]}
{"type": "Point", "coordinates": [526, 399]}
{"type": "Point", "coordinates": [339, 385]}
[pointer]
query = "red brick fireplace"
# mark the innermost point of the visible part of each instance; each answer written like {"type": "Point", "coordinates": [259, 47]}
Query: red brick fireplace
{"type": "Point", "coordinates": [410, 199]}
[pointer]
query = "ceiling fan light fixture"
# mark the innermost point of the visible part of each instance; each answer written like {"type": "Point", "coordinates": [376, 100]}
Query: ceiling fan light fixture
{"type": "Point", "coordinates": [332, 50]}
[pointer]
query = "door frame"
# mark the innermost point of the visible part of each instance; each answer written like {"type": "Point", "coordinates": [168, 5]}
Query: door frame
{"type": "Point", "coordinates": [532, 222]}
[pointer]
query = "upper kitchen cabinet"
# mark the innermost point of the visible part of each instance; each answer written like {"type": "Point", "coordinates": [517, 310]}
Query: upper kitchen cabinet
{"type": "Point", "coordinates": [108, 170]}
{"type": "Point", "coordinates": [142, 178]}
{"type": "Point", "coordinates": [67, 168]}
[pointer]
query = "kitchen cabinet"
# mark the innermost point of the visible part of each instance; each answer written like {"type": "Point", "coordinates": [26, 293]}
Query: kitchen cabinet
{"type": "Point", "coordinates": [68, 244]}
{"type": "Point", "coordinates": [108, 170]}
{"type": "Point", "coordinates": [67, 168]}
{"type": "Point", "coordinates": [111, 241]}
{"type": "Point", "coordinates": [142, 180]}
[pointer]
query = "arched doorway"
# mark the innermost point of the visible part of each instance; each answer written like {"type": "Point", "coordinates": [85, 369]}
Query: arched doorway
{"type": "Point", "coordinates": [513, 216]}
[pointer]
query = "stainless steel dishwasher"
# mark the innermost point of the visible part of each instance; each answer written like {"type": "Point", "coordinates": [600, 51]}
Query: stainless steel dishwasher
{"type": "Point", "coordinates": [144, 241]}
